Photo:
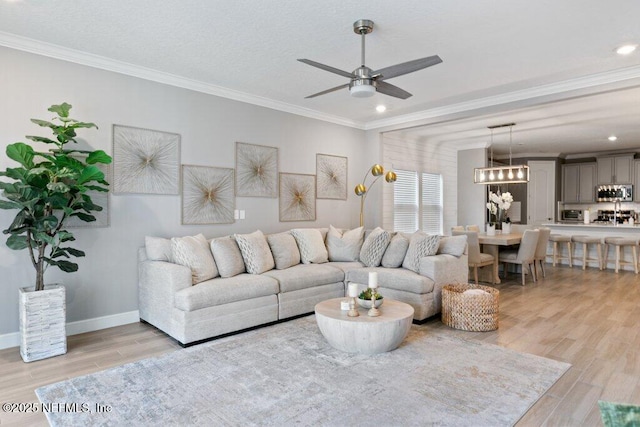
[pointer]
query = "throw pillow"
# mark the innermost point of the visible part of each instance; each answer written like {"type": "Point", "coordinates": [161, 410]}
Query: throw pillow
{"type": "Point", "coordinates": [421, 245]}
{"type": "Point", "coordinates": [255, 252]}
{"type": "Point", "coordinates": [284, 249]}
{"type": "Point", "coordinates": [396, 251]}
{"type": "Point", "coordinates": [312, 249]}
{"type": "Point", "coordinates": [344, 246]}
{"type": "Point", "coordinates": [374, 246]}
{"type": "Point", "coordinates": [194, 252]}
{"type": "Point", "coordinates": [454, 245]}
{"type": "Point", "coordinates": [227, 255]}
{"type": "Point", "coordinates": [157, 248]}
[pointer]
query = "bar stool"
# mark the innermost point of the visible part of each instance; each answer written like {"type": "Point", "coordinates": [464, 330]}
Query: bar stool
{"type": "Point", "coordinates": [557, 255]}
{"type": "Point", "coordinates": [620, 243]}
{"type": "Point", "coordinates": [586, 241]}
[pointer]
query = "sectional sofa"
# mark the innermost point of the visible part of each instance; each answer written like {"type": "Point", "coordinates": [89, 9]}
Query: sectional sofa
{"type": "Point", "coordinates": [195, 289]}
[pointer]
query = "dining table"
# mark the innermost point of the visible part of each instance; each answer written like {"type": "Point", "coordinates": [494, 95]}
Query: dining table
{"type": "Point", "coordinates": [491, 245]}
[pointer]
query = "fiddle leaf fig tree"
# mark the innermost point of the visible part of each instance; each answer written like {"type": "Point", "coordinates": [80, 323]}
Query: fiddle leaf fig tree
{"type": "Point", "coordinates": [47, 189]}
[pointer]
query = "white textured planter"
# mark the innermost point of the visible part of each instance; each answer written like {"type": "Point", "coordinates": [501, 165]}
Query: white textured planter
{"type": "Point", "coordinates": [506, 228]}
{"type": "Point", "coordinates": [491, 230]}
{"type": "Point", "coordinates": [42, 322]}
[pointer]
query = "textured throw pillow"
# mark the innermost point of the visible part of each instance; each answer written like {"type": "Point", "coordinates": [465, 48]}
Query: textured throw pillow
{"type": "Point", "coordinates": [344, 246]}
{"type": "Point", "coordinates": [421, 245]}
{"type": "Point", "coordinates": [284, 249]}
{"type": "Point", "coordinates": [374, 246]}
{"type": "Point", "coordinates": [157, 248]}
{"type": "Point", "coordinates": [454, 245]}
{"type": "Point", "coordinates": [396, 251]}
{"type": "Point", "coordinates": [194, 252]}
{"type": "Point", "coordinates": [312, 249]}
{"type": "Point", "coordinates": [227, 255]}
{"type": "Point", "coordinates": [255, 252]}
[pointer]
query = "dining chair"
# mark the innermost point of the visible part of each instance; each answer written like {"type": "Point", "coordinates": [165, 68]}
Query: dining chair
{"type": "Point", "coordinates": [541, 251]}
{"type": "Point", "coordinates": [475, 257]}
{"type": "Point", "coordinates": [524, 255]}
{"type": "Point", "coordinates": [473, 228]}
{"type": "Point", "coordinates": [457, 228]}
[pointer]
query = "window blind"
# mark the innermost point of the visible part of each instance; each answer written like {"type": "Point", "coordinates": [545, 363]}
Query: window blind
{"type": "Point", "coordinates": [431, 196]}
{"type": "Point", "coordinates": [405, 202]}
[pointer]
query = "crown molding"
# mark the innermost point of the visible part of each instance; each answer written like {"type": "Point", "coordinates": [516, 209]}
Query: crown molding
{"type": "Point", "coordinates": [585, 82]}
{"type": "Point", "coordinates": [96, 61]}
{"type": "Point", "coordinates": [472, 146]}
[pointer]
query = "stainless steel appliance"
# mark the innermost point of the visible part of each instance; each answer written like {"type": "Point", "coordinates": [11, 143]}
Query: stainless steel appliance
{"type": "Point", "coordinates": [571, 215]}
{"type": "Point", "coordinates": [615, 193]}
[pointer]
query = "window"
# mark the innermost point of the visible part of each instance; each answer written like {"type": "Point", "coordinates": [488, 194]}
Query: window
{"type": "Point", "coordinates": [417, 202]}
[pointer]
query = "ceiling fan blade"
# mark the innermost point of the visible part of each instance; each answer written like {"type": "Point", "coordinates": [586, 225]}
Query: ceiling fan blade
{"type": "Point", "coordinates": [391, 90]}
{"type": "Point", "coordinates": [326, 68]}
{"type": "Point", "coordinates": [333, 89]}
{"type": "Point", "coordinates": [406, 67]}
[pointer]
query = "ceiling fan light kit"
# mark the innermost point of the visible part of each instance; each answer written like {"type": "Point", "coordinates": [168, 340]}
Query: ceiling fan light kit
{"type": "Point", "coordinates": [494, 175]}
{"type": "Point", "coordinates": [365, 82]}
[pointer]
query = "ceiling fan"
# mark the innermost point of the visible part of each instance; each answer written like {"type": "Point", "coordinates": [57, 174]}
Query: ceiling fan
{"type": "Point", "coordinates": [364, 81]}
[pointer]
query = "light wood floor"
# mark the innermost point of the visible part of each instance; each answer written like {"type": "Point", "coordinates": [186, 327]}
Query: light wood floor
{"type": "Point", "coordinates": [589, 319]}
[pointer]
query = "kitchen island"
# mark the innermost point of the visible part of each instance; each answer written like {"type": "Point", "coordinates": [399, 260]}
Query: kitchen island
{"type": "Point", "coordinates": [601, 230]}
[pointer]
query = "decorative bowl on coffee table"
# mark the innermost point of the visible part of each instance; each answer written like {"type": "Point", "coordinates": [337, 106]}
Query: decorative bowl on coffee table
{"type": "Point", "coordinates": [366, 303]}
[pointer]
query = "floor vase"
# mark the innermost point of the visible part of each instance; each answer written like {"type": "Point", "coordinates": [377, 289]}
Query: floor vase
{"type": "Point", "coordinates": [42, 322]}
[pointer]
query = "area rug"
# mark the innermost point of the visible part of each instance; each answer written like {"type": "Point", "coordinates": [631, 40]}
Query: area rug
{"type": "Point", "coordinates": [287, 374]}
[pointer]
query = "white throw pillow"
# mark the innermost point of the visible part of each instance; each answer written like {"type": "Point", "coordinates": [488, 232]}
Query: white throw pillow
{"type": "Point", "coordinates": [344, 246]}
{"type": "Point", "coordinates": [194, 252]}
{"type": "Point", "coordinates": [396, 251]}
{"type": "Point", "coordinates": [228, 257]}
{"type": "Point", "coordinates": [255, 252]}
{"type": "Point", "coordinates": [284, 249]}
{"type": "Point", "coordinates": [157, 248]}
{"type": "Point", "coordinates": [454, 245]}
{"type": "Point", "coordinates": [374, 246]}
{"type": "Point", "coordinates": [311, 245]}
{"type": "Point", "coordinates": [421, 245]}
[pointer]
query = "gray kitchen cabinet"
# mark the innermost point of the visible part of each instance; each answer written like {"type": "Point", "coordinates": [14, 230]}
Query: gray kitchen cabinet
{"type": "Point", "coordinates": [636, 182]}
{"type": "Point", "coordinates": [615, 169]}
{"type": "Point", "coordinates": [578, 182]}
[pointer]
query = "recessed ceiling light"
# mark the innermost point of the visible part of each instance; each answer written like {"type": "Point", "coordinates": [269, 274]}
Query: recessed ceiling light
{"type": "Point", "coordinates": [612, 138]}
{"type": "Point", "coordinates": [626, 49]}
{"type": "Point", "coordinates": [381, 108]}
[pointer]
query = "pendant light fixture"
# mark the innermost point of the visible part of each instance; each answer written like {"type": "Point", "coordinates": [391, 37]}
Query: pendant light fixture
{"type": "Point", "coordinates": [511, 174]}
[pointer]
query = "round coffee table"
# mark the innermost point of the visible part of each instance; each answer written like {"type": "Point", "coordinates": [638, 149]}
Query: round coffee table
{"type": "Point", "coordinates": [364, 334]}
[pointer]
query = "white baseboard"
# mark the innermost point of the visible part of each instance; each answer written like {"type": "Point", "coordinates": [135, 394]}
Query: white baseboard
{"type": "Point", "coordinates": [80, 327]}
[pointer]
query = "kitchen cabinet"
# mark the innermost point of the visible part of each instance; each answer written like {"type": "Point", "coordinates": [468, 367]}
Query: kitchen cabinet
{"type": "Point", "coordinates": [615, 169]}
{"type": "Point", "coordinates": [579, 183]}
{"type": "Point", "coordinates": [636, 182]}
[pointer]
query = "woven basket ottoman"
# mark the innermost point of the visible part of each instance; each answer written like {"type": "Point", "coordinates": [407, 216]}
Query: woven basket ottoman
{"type": "Point", "coordinates": [468, 312]}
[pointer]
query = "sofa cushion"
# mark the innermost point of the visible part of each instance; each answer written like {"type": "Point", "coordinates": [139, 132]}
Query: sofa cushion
{"type": "Point", "coordinates": [346, 266]}
{"type": "Point", "coordinates": [256, 253]}
{"type": "Point", "coordinates": [344, 246]}
{"type": "Point", "coordinates": [420, 245]}
{"type": "Point", "coordinates": [396, 251]}
{"type": "Point", "coordinates": [157, 248]}
{"type": "Point", "coordinates": [304, 276]}
{"type": "Point", "coordinates": [228, 257]}
{"type": "Point", "coordinates": [194, 252]}
{"type": "Point", "coordinates": [311, 245]}
{"type": "Point", "coordinates": [374, 246]}
{"type": "Point", "coordinates": [394, 278]}
{"type": "Point", "coordinates": [454, 245]}
{"type": "Point", "coordinates": [284, 249]}
{"type": "Point", "coordinates": [224, 290]}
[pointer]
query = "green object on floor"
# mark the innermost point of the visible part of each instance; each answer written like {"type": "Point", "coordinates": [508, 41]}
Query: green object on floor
{"type": "Point", "coordinates": [619, 414]}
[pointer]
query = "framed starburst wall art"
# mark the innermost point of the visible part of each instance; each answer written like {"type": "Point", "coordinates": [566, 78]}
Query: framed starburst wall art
{"type": "Point", "coordinates": [256, 170]}
{"type": "Point", "coordinates": [207, 195]}
{"type": "Point", "coordinates": [145, 161]}
{"type": "Point", "coordinates": [331, 177]}
{"type": "Point", "coordinates": [297, 197]}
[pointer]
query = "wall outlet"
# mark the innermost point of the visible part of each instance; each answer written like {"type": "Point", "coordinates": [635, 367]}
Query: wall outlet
{"type": "Point", "coordinates": [242, 214]}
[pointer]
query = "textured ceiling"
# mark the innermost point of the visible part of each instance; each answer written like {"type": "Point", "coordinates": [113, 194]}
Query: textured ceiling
{"type": "Point", "coordinates": [489, 48]}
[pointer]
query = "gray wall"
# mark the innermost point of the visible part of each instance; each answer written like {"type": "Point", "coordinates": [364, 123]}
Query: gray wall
{"type": "Point", "coordinates": [471, 197]}
{"type": "Point", "coordinates": [106, 283]}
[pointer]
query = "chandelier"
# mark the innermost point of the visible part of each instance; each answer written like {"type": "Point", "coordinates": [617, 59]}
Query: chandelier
{"type": "Point", "coordinates": [511, 174]}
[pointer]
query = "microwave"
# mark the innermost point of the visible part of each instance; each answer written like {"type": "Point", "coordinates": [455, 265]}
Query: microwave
{"type": "Point", "coordinates": [571, 215]}
{"type": "Point", "coordinates": [614, 193]}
